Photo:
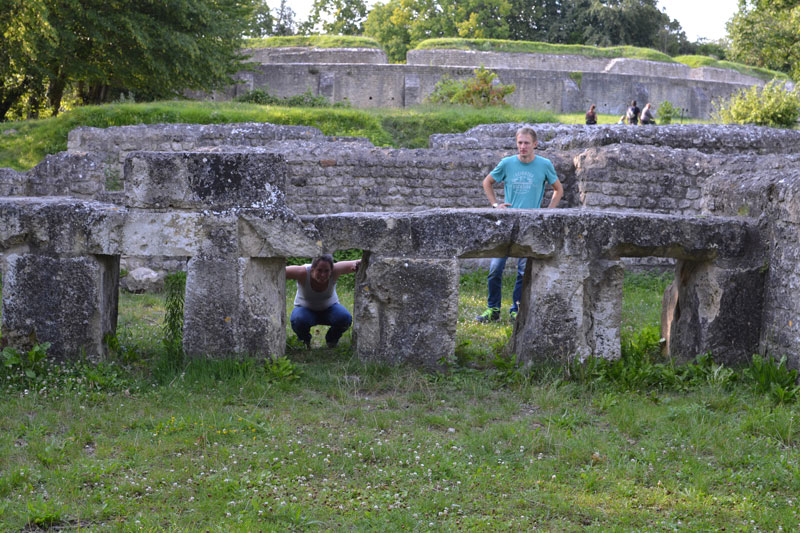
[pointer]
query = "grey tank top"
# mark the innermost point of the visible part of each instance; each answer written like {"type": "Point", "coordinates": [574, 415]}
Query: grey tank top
{"type": "Point", "coordinates": [311, 299]}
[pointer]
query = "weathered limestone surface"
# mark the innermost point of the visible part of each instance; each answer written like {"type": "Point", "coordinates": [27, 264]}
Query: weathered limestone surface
{"type": "Point", "coordinates": [574, 309]}
{"type": "Point", "coordinates": [406, 310]}
{"type": "Point", "coordinates": [235, 307]}
{"type": "Point", "coordinates": [707, 138]}
{"type": "Point", "coordinates": [769, 189]}
{"type": "Point", "coordinates": [70, 302]}
{"type": "Point", "coordinates": [60, 271]}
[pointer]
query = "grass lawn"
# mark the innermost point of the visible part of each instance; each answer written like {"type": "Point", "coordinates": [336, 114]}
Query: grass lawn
{"type": "Point", "coordinates": [321, 442]}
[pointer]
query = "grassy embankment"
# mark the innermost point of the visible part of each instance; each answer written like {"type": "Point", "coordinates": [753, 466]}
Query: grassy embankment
{"type": "Point", "coordinates": [23, 144]}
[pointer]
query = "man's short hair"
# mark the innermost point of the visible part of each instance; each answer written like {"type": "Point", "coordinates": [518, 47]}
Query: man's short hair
{"type": "Point", "coordinates": [526, 130]}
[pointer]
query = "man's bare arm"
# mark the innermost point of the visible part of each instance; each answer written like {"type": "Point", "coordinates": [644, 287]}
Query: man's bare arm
{"type": "Point", "coordinates": [488, 188]}
{"type": "Point", "coordinates": [558, 192]}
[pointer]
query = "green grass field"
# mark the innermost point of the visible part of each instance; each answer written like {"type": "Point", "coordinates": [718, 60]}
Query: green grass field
{"type": "Point", "coordinates": [322, 442]}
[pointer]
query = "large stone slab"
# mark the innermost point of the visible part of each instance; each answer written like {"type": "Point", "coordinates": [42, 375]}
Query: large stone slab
{"type": "Point", "coordinates": [538, 233]}
{"type": "Point", "coordinates": [203, 180]}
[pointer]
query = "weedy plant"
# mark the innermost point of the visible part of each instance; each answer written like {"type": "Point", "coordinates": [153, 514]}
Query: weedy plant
{"type": "Point", "coordinates": [281, 370]}
{"type": "Point", "coordinates": [175, 290]}
{"type": "Point", "coordinates": [27, 366]}
{"type": "Point", "coordinates": [774, 378]}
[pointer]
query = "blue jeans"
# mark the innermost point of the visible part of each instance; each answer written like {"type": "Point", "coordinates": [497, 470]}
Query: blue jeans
{"type": "Point", "coordinates": [336, 316]}
{"type": "Point", "coordinates": [496, 282]}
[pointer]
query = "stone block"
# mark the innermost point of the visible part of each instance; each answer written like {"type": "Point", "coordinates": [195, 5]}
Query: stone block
{"type": "Point", "coordinates": [569, 309]}
{"type": "Point", "coordinates": [204, 180]}
{"type": "Point", "coordinates": [70, 302]}
{"type": "Point", "coordinates": [406, 310]}
{"type": "Point", "coordinates": [718, 309]}
{"type": "Point", "coordinates": [235, 306]}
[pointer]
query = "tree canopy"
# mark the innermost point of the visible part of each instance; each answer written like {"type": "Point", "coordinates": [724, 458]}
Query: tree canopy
{"type": "Point", "coordinates": [102, 49]}
{"type": "Point", "coordinates": [764, 33]}
{"type": "Point", "coordinates": [400, 24]}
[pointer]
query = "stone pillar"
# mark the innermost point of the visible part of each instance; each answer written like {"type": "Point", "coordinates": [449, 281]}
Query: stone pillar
{"type": "Point", "coordinates": [70, 302]}
{"type": "Point", "coordinates": [569, 308]}
{"type": "Point", "coordinates": [406, 310]}
{"type": "Point", "coordinates": [718, 309]}
{"type": "Point", "coordinates": [235, 305]}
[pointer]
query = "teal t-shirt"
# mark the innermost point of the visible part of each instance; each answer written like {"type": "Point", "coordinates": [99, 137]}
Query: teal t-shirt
{"type": "Point", "coordinates": [523, 183]}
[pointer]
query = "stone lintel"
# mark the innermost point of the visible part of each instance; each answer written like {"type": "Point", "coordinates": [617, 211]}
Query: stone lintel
{"type": "Point", "coordinates": [539, 233]}
{"type": "Point", "coordinates": [55, 225]}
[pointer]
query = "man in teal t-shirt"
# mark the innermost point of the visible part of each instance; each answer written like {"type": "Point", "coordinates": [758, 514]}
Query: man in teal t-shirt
{"type": "Point", "coordinates": [523, 177]}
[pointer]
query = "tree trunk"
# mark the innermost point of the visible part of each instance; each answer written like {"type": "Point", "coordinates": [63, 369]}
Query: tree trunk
{"type": "Point", "coordinates": [55, 93]}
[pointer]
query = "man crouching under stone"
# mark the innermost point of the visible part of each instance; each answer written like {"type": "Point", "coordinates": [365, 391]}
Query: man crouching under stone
{"type": "Point", "coordinates": [316, 302]}
{"type": "Point", "coordinates": [523, 177]}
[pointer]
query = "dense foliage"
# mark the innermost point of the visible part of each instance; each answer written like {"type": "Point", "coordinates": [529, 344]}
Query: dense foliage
{"type": "Point", "coordinates": [400, 25]}
{"type": "Point", "coordinates": [481, 90]}
{"type": "Point", "coordinates": [102, 50]}
{"type": "Point", "coordinates": [771, 105]}
{"type": "Point", "coordinates": [764, 33]}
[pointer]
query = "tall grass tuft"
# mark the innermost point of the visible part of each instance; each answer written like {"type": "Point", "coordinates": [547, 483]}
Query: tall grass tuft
{"type": "Point", "coordinates": [175, 290]}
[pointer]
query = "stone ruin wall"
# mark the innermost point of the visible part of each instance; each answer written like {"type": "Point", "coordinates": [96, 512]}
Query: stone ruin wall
{"type": "Point", "coordinates": [689, 170]}
{"type": "Point", "coordinates": [559, 83]}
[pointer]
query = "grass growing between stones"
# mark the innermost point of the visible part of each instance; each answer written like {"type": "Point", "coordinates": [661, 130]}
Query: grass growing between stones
{"type": "Point", "coordinates": [229, 446]}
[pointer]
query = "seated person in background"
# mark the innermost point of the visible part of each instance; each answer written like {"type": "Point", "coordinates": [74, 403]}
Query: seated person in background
{"type": "Point", "coordinates": [647, 115]}
{"type": "Point", "coordinates": [591, 115]}
{"type": "Point", "coordinates": [632, 114]}
{"type": "Point", "coordinates": [316, 302]}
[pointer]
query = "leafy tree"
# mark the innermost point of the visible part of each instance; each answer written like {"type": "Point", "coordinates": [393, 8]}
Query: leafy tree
{"type": "Point", "coordinates": [24, 29]}
{"type": "Point", "coordinates": [482, 19]}
{"type": "Point", "coordinates": [283, 22]}
{"type": "Point", "coordinates": [764, 33]}
{"type": "Point", "coordinates": [395, 38]}
{"type": "Point", "coordinates": [337, 17]}
{"type": "Point", "coordinates": [151, 48]}
{"type": "Point", "coordinates": [260, 22]}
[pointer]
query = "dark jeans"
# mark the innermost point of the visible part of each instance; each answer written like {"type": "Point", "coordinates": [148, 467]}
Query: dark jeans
{"type": "Point", "coordinates": [336, 316]}
{"type": "Point", "coordinates": [496, 282]}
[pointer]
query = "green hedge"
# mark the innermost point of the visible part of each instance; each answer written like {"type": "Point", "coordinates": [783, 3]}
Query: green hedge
{"type": "Point", "coordinates": [533, 47]}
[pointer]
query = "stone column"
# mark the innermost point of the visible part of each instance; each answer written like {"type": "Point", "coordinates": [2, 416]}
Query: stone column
{"type": "Point", "coordinates": [406, 310]}
{"type": "Point", "coordinates": [569, 308]}
{"type": "Point", "coordinates": [235, 306]}
{"type": "Point", "coordinates": [70, 302]}
{"type": "Point", "coordinates": [718, 309]}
